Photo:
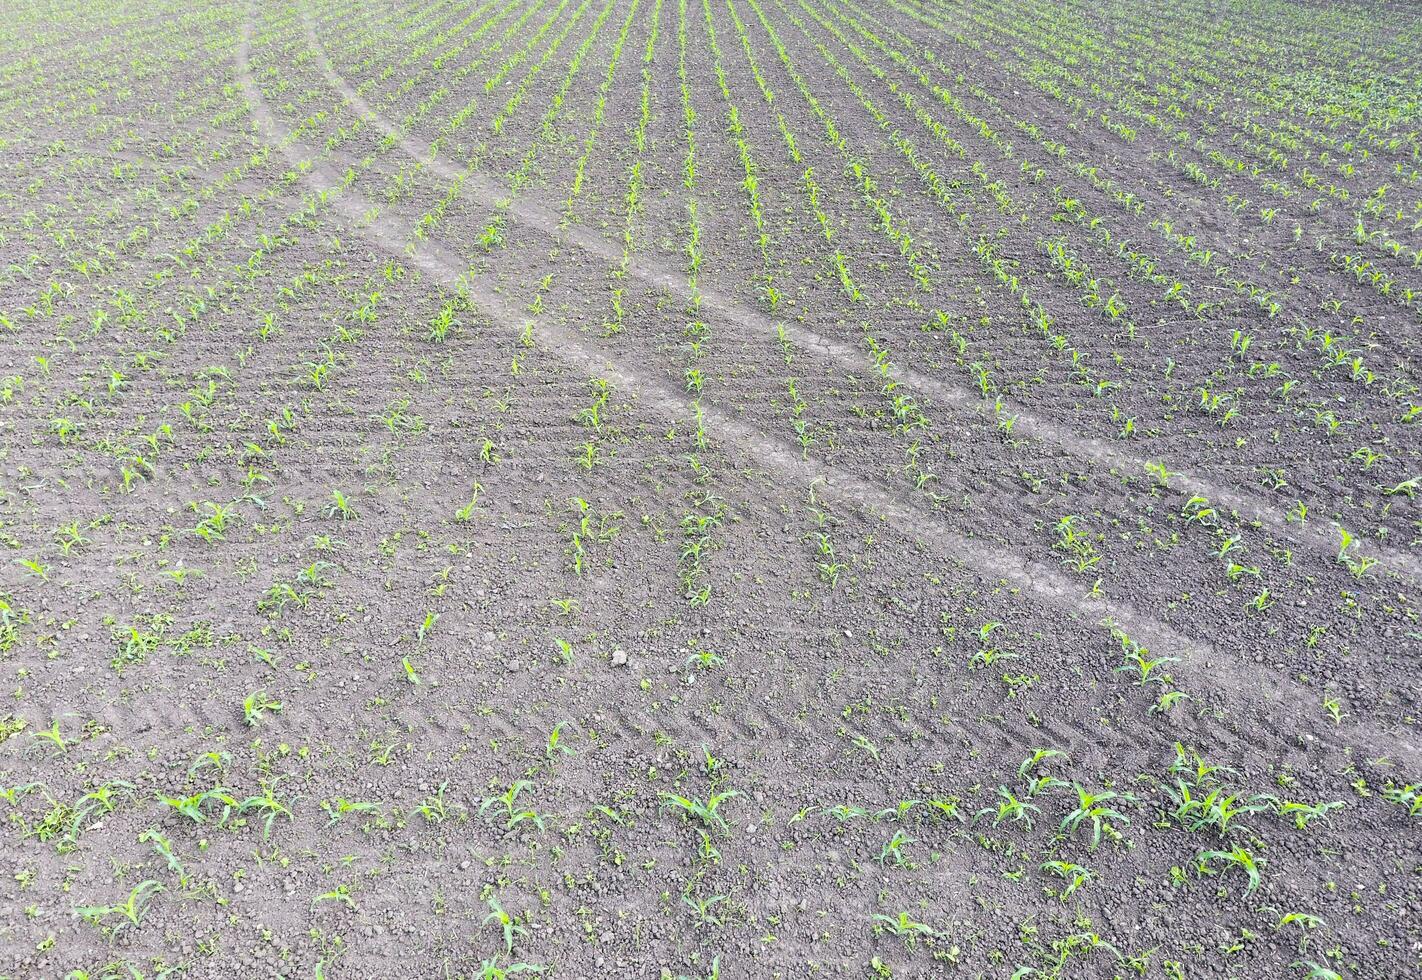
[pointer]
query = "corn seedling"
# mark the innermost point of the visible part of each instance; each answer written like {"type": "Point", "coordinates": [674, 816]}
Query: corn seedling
{"type": "Point", "coordinates": [1237, 857]}
{"type": "Point", "coordinates": [1075, 875]}
{"type": "Point", "coordinates": [507, 807]}
{"type": "Point", "coordinates": [989, 652]}
{"type": "Point", "coordinates": [433, 807]}
{"type": "Point", "coordinates": [1303, 814]}
{"type": "Point", "coordinates": [903, 926]}
{"type": "Point", "coordinates": [703, 909]}
{"type": "Point", "coordinates": [1095, 810]}
{"type": "Point", "coordinates": [555, 747]}
{"type": "Point", "coordinates": [268, 806]}
{"type": "Point", "coordinates": [341, 893]}
{"type": "Point", "coordinates": [341, 507]}
{"type": "Point", "coordinates": [256, 706]}
{"type": "Point", "coordinates": [707, 811]}
{"type": "Point", "coordinates": [195, 806]}
{"type": "Point", "coordinates": [506, 923]}
{"type": "Point", "coordinates": [492, 969]}
{"type": "Point", "coordinates": [1143, 668]}
{"type": "Point", "coordinates": [129, 913]}
{"type": "Point", "coordinates": [1011, 808]}
{"type": "Point", "coordinates": [465, 513]}
{"type": "Point", "coordinates": [895, 850]}
{"type": "Point", "coordinates": [1347, 555]}
{"type": "Point", "coordinates": [1408, 796]}
{"type": "Point", "coordinates": [1081, 553]}
{"type": "Point", "coordinates": [340, 808]}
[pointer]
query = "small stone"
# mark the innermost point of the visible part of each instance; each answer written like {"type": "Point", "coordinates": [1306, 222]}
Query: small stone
{"type": "Point", "coordinates": [619, 658]}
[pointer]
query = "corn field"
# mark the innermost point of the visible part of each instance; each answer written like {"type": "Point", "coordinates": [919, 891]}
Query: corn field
{"type": "Point", "coordinates": [695, 489]}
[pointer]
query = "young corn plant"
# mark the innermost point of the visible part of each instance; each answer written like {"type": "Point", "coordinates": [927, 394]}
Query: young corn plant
{"type": "Point", "coordinates": [1062, 951]}
{"type": "Point", "coordinates": [195, 806]}
{"type": "Point", "coordinates": [492, 969]}
{"type": "Point", "coordinates": [1011, 808]}
{"type": "Point", "coordinates": [903, 926]}
{"type": "Point", "coordinates": [341, 507]}
{"type": "Point", "coordinates": [433, 807]}
{"type": "Point", "coordinates": [895, 850]}
{"type": "Point", "coordinates": [1237, 857]}
{"type": "Point", "coordinates": [427, 625]}
{"type": "Point", "coordinates": [96, 803]}
{"type": "Point", "coordinates": [705, 660]}
{"type": "Point", "coordinates": [506, 923]}
{"type": "Point", "coordinates": [1081, 553]}
{"type": "Point", "coordinates": [703, 910]}
{"type": "Point", "coordinates": [507, 807]}
{"type": "Point", "coordinates": [829, 565]}
{"type": "Point", "coordinates": [1218, 809]}
{"type": "Point", "coordinates": [1143, 668]}
{"type": "Point", "coordinates": [1408, 796]}
{"type": "Point", "coordinates": [256, 706]}
{"type": "Point", "coordinates": [1075, 876]}
{"type": "Point", "coordinates": [341, 893]}
{"type": "Point", "coordinates": [1146, 670]}
{"type": "Point", "coordinates": [1097, 811]}
{"type": "Point", "coordinates": [1347, 556]}
{"type": "Point", "coordinates": [443, 323]}
{"type": "Point", "coordinates": [989, 652]}
{"type": "Point", "coordinates": [707, 812]}
{"type": "Point", "coordinates": [556, 746]}
{"type": "Point", "coordinates": [1304, 814]}
{"type": "Point", "coordinates": [340, 808]}
{"type": "Point", "coordinates": [465, 513]}
{"type": "Point", "coordinates": [128, 914]}
{"type": "Point", "coordinates": [55, 738]}
{"type": "Point", "coordinates": [268, 806]}
{"type": "Point", "coordinates": [1037, 758]}
{"type": "Point", "coordinates": [164, 848]}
